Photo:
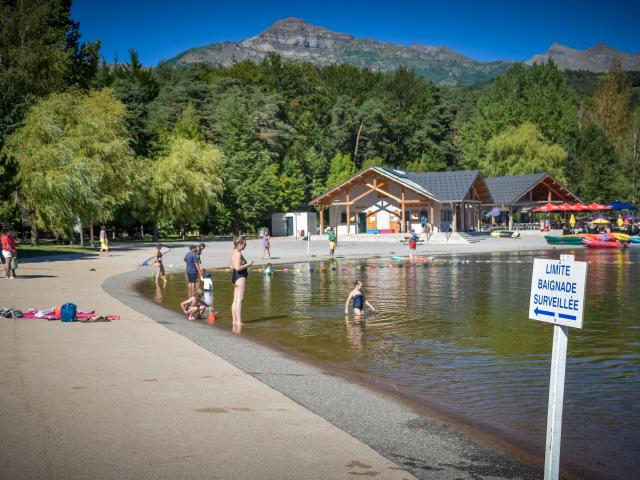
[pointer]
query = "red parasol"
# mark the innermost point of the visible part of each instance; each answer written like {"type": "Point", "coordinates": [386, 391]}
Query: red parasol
{"type": "Point", "coordinates": [596, 207]}
{"type": "Point", "coordinates": [549, 207]}
{"type": "Point", "coordinates": [564, 207]}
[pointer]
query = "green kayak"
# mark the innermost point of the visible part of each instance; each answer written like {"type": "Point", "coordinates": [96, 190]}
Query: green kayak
{"type": "Point", "coordinates": [567, 240]}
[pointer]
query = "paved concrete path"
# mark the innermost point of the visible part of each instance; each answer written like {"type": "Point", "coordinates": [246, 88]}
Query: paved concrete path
{"type": "Point", "coordinates": [132, 399]}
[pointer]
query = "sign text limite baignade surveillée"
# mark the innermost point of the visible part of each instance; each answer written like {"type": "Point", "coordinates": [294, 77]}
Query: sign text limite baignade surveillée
{"type": "Point", "coordinates": [557, 291]}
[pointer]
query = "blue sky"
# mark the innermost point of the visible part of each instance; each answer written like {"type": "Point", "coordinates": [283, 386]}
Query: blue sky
{"type": "Point", "coordinates": [484, 30]}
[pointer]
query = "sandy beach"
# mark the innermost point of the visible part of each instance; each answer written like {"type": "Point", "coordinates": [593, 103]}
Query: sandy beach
{"type": "Point", "coordinates": [155, 396]}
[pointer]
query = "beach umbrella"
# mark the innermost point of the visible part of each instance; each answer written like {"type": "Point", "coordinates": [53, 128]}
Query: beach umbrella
{"type": "Point", "coordinates": [598, 216]}
{"type": "Point", "coordinates": [620, 222]}
{"type": "Point", "coordinates": [600, 221]}
{"type": "Point", "coordinates": [618, 205]}
{"type": "Point", "coordinates": [572, 220]}
{"type": "Point", "coordinates": [629, 216]}
{"type": "Point", "coordinates": [548, 207]}
{"type": "Point", "coordinates": [596, 207]}
{"type": "Point", "coordinates": [495, 212]}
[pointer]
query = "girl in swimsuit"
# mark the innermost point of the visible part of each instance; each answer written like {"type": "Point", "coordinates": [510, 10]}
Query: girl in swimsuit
{"type": "Point", "coordinates": [239, 273]}
{"type": "Point", "coordinates": [194, 307]}
{"type": "Point", "coordinates": [160, 273]}
{"type": "Point", "coordinates": [357, 297]}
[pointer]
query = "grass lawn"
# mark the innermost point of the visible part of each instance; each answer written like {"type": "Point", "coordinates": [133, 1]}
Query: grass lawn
{"type": "Point", "coordinates": [28, 251]}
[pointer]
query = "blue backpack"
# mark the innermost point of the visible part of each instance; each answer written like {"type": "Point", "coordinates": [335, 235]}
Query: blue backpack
{"type": "Point", "coordinates": [68, 312]}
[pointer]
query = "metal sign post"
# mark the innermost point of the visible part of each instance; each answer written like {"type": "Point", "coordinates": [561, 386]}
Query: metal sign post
{"type": "Point", "coordinates": [557, 296]}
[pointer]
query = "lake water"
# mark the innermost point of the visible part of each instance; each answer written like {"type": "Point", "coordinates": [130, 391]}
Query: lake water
{"type": "Point", "coordinates": [453, 334]}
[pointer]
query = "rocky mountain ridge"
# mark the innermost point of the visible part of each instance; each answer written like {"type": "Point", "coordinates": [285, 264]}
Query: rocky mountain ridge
{"type": "Point", "coordinates": [296, 40]}
{"type": "Point", "coordinates": [595, 59]}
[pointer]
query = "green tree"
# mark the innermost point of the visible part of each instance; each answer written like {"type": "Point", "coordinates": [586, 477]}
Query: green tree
{"type": "Point", "coordinates": [74, 159]}
{"type": "Point", "coordinates": [185, 181]}
{"type": "Point", "coordinates": [597, 165]}
{"type": "Point", "coordinates": [341, 168]}
{"type": "Point", "coordinates": [523, 150]}
{"type": "Point", "coordinates": [609, 107]}
{"type": "Point", "coordinates": [538, 94]}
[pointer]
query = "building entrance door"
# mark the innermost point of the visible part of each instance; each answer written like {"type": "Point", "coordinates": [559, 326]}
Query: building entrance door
{"type": "Point", "coordinates": [288, 226]}
{"type": "Point", "coordinates": [362, 222]}
{"type": "Point", "coordinates": [372, 221]}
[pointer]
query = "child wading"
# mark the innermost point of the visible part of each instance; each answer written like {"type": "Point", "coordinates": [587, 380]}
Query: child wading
{"type": "Point", "coordinates": [357, 297]}
{"type": "Point", "coordinates": [194, 307]}
{"type": "Point", "coordinates": [332, 243]}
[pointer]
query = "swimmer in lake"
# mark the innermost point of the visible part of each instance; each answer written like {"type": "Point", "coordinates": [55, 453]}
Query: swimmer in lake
{"type": "Point", "coordinates": [357, 297]}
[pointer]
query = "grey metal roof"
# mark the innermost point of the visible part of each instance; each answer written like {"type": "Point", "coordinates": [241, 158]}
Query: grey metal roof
{"type": "Point", "coordinates": [507, 190]}
{"type": "Point", "coordinates": [443, 186]}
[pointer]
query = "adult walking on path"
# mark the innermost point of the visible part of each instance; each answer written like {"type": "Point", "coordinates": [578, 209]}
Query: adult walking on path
{"type": "Point", "coordinates": [239, 276]}
{"type": "Point", "coordinates": [104, 241]}
{"type": "Point", "coordinates": [9, 253]}
{"type": "Point", "coordinates": [192, 269]}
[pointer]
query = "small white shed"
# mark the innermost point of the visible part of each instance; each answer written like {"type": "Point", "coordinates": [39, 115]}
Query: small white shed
{"type": "Point", "coordinates": [291, 224]}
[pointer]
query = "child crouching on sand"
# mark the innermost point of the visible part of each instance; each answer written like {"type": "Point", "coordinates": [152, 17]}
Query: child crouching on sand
{"type": "Point", "coordinates": [357, 297]}
{"type": "Point", "coordinates": [194, 307]}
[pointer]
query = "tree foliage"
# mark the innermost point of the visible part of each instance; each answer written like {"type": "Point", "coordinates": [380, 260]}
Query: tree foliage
{"type": "Point", "coordinates": [74, 159]}
{"type": "Point", "coordinates": [539, 95]}
{"type": "Point", "coordinates": [523, 150]}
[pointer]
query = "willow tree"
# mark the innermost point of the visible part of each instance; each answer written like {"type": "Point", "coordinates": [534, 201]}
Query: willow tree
{"type": "Point", "coordinates": [74, 160]}
{"type": "Point", "coordinates": [523, 150]}
{"type": "Point", "coordinates": [184, 181]}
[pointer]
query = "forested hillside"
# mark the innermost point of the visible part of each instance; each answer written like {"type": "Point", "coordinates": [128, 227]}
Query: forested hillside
{"type": "Point", "coordinates": [224, 147]}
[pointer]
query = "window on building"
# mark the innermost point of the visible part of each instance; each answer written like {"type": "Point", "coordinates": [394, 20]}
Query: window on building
{"type": "Point", "coordinates": [343, 217]}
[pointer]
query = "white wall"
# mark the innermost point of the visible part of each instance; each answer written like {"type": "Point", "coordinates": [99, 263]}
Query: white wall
{"type": "Point", "coordinates": [306, 221]}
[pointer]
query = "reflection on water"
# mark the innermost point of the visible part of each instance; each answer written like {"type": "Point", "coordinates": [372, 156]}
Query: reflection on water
{"type": "Point", "coordinates": [454, 334]}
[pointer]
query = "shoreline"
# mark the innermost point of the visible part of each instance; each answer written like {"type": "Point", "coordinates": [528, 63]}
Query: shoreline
{"type": "Point", "coordinates": [400, 432]}
{"type": "Point", "coordinates": [435, 411]}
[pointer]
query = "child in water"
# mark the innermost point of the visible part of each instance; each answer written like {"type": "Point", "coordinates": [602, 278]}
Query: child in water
{"type": "Point", "coordinates": [357, 297]}
{"type": "Point", "coordinates": [194, 307]}
{"type": "Point", "coordinates": [268, 270]}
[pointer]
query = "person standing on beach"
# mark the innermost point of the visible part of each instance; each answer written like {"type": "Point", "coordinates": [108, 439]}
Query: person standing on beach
{"type": "Point", "coordinates": [192, 270]}
{"type": "Point", "coordinates": [332, 243]}
{"type": "Point", "coordinates": [8, 252]}
{"type": "Point", "coordinates": [266, 244]}
{"type": "Point", "coordinates": [104, 241]}
{"type": "Point", "coordinates": [239, 276]}
{"type": "Point", "coordinates": [413, 243]}
{"type": "Point", "coordinates": [160, 273]}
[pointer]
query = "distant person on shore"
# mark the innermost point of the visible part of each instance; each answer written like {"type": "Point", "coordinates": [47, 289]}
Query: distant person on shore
{"type": "Point", "coordinates": [193, 307]}
{"type": "Point", "coordinates": [239, 276]}
{"type": "Point", "coordinates": [104, 241]}
{"type": "Point", "coordinates": [413, 244]}
{"type": "Point", "coordinates": [356, 296]}
{"type": "Point", "coordinates": [160, 273]}
{"type": "Point", "coordinates": [9, 252]}
{"type": "Point", "coordinates": [192, 269]}
{"type": "Point", "coordinates": [266, 244]}
{"type": "Point", "coordinates": [332, 243]}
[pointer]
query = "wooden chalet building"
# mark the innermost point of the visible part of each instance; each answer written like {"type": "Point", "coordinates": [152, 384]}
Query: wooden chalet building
{"type": "Point", "coordinates": [384, 200]}
{"type": "Point", "coordinates": [525, 192]}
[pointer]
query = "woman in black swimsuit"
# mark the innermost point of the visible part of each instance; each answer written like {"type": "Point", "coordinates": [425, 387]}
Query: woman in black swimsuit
{"type": "Point", "coordinates": [239, 273]}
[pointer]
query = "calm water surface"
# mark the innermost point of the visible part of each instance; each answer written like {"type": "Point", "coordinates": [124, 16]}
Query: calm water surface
{"type": "Point", "coordinates": [453, 334]}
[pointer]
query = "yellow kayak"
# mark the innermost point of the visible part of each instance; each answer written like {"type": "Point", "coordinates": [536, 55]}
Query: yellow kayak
{"type": "Point", "coordinates": [621, 237]}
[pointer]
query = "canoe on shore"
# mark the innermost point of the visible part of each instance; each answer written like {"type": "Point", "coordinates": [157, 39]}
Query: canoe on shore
{"type": "Point", "coordinates": [601, 244]}
{"type": "Point", "coordinates": [634, 239]}
{"type": "Point", "coordinates": [565, 240]}
{"type": "Point", "coordinates": [505, 234]}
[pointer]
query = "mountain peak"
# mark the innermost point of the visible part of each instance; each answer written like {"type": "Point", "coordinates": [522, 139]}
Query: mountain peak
{"type": "Point", "coordinates": [595, 59]}
{"type": "Point", "coordinates": [296, 40]}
